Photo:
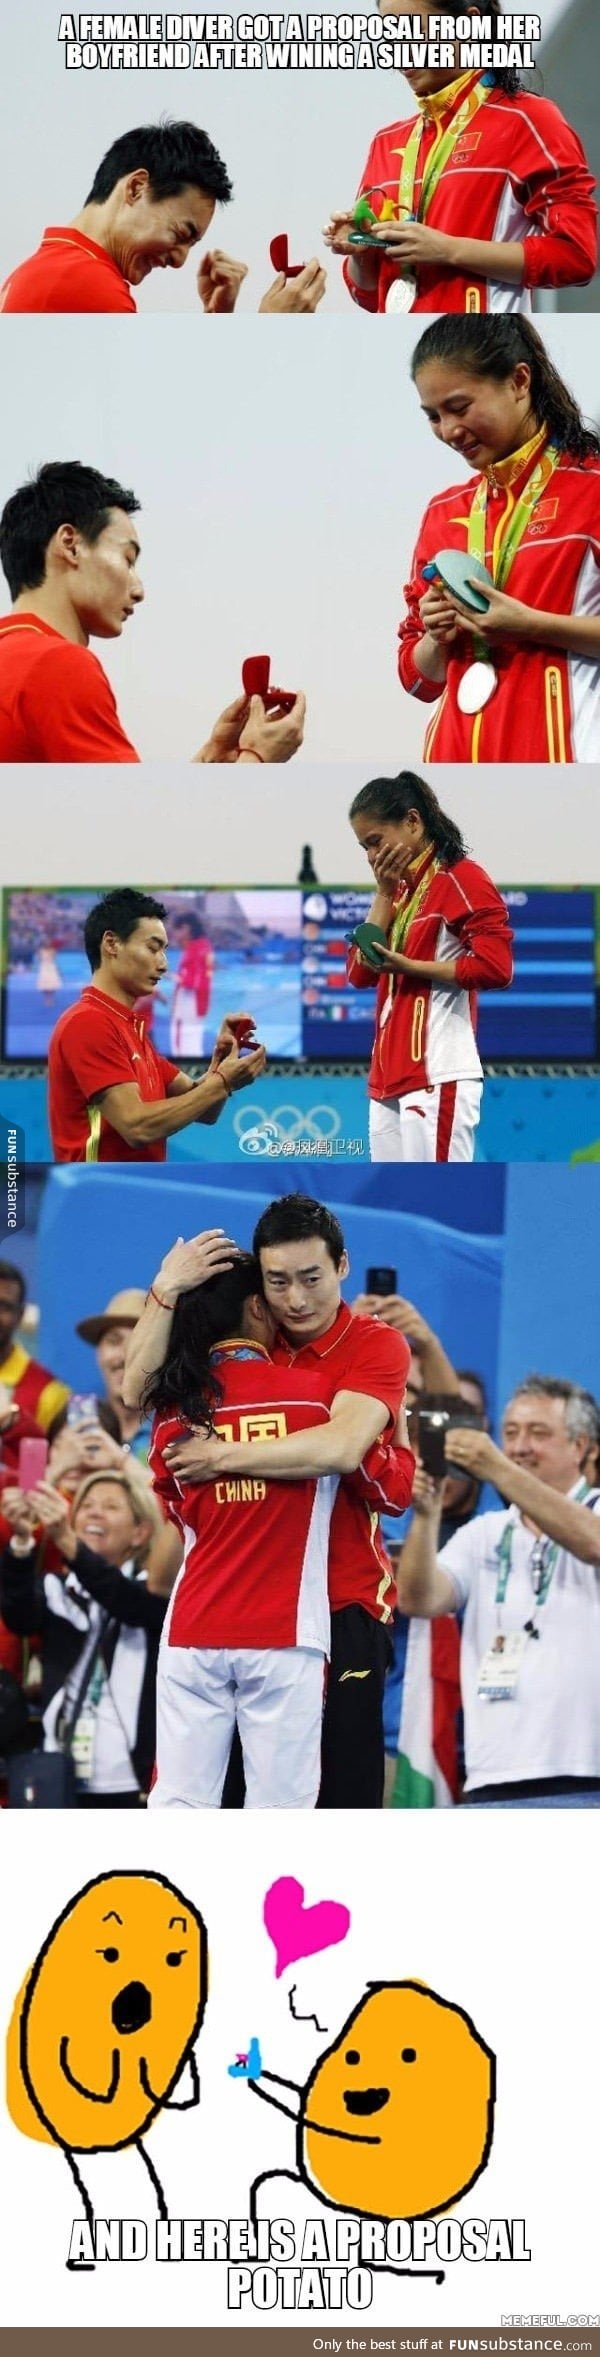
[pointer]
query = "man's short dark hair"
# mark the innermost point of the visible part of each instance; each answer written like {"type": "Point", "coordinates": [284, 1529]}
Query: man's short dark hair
{"type": "Point", "coordinates": [175, 155]}
{"type": "Point", "coordinates": [64, 492]}
{"type": "Point", "coordinates": [12, 1276]}
{"type": "Point", "coordinates": [119, 912]}
{"type": "Point", "coordinates": [292, 1218]}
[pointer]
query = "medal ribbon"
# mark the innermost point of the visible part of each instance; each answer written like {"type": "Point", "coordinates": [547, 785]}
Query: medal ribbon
{"type": "Point", "coordinates": [405, 914]}
{"type": "Point", "coordinates": [548, 1561]}
{"type": "Point", "coordinates": [512, 532]}
{"type": "Point", "coordinates": [236, 1349]}
{"type": "Point", "coordinates": [443, 147]}
{"type": "Point", "coordinates": [516, 520]}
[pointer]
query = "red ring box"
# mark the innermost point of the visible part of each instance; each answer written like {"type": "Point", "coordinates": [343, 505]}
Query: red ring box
{"type": "Point", "coordinates": [245, 1031]}
{"type": "Point", "coordinates": [255, 682]}
{"type": "Point", "coordinates": [278, 250]}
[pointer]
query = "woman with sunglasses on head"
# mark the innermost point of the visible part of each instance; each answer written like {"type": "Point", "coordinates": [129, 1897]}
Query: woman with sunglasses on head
{"type": "Point", "coordinates": [472, 203]}
{"type": "Point", "coordinates": [437, 933]}
{"type": "Point", "coordinates": [508, 645]}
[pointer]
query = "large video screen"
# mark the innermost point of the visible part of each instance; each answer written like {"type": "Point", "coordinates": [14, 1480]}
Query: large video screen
{"type": "Point", "coordinates": [549, 1013]}
{"type": "Point", "coordinates": [227, 950]}
{"type": "Point", "coordinates": [550, 1010]}
{"type": "Point", "coordinates": [337, 1020]}
{"type": "Point", "coordinates": [282, 955]}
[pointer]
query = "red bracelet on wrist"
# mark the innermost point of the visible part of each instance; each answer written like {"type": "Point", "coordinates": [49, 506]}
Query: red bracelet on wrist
{"type": "Point", "coordinates": [154, 1296]}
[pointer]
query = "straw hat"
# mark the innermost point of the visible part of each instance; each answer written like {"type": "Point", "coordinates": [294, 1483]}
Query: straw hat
{"type": "Point", "coordinates": [123, 1309]}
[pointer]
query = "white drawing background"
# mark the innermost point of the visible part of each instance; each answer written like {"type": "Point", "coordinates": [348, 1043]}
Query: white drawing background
{"type": "Point", "coordinates": [495, 1912]}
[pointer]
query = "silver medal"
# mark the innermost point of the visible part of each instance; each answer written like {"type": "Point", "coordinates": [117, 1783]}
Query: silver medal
{"type": "Point", "coordinates": [476, 687]}
{"type": "Point", "coordinates": [401, 294]}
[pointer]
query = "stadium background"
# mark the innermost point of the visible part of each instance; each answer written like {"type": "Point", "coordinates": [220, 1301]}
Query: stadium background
{"type": "Point", "coordinates": [461, 1244]}
{"type": "Point", "coordinates": [282, 955]}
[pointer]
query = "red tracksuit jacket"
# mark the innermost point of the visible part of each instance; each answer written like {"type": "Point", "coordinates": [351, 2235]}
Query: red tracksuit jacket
{"type": "Point", "coordinates": [518, 175]}
{"type": "Point", "coordinates": [195, 972]}
{"type": "Point", "coordinates": [546, 706]}
{"type": "Point", "coordinates": [429, 1035]}
{"type": "Point", "coordinates": [255, 1565]}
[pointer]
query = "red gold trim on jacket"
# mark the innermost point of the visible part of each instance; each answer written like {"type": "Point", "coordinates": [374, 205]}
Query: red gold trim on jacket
{"type": "Point", "coordinates": [416, 1037]}
{"type": "Point", "coordinates": [555, 714]}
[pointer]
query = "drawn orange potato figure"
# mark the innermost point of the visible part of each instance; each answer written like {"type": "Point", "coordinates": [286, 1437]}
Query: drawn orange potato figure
{"type": "Point", "coordinates": [107, 2017]}
{"type": "Point", "coordinates": [397, 2117]}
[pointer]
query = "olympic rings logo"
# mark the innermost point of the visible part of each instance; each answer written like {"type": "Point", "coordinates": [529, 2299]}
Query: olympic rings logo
{"type": "Point", "coordinates": [260, 1133]}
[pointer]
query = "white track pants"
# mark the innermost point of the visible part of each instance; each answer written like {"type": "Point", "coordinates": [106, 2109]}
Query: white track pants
{"type": "Point", "coordinates": [428, 1125]}
{"type": "Point", "coordinates": [187, 1026]}
{"type": "Point", "coordinates": [277, 1700]}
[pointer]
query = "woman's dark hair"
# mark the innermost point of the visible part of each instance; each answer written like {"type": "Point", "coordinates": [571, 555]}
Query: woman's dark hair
{"type": "Point", "coordinates": [505, 77]}
{"type": "Point", "coordinates": [206, 1315]}
{"type": "Point", "coordinates": [194, 924]}
{"type": "Point", "coordinates": [494, 346]}
{"type": "Point", "coordinates": [393, 797]}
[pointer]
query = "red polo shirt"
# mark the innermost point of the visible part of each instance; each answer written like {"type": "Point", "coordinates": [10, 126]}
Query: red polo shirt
{"type": "Point", "coordinates": [96, 1045]}
{"type": "Point", "coordinates": [362, 1355]}
{"type": "Point", "coordinates": [255, 1565]}
{"type": "Point", "coordinates": [55, 700]}
{"type": "Point", "coordinates": [68, 273]}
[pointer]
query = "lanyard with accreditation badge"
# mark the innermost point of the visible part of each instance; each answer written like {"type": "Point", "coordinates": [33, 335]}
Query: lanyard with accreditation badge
{"type": "Point", "coordinates": [499, 1669]}
{"type": "Point", "coordinates": [478, 683]}
{"type": "Point", "coordinates": [402, 293]}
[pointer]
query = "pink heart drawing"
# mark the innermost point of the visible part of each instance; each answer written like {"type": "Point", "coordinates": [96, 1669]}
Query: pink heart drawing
{"type": "Point", "coordinates": [297, 1930]}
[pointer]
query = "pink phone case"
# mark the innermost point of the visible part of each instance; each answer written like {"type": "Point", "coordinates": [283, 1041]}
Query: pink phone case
{"type": "Point", "coordinates": [32, 1464]}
